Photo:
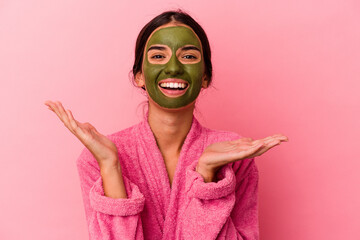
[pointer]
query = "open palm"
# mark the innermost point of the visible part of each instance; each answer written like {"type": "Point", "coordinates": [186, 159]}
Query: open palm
{"type": "Point", "coordinates": [103, 149]}
{"type": "Point", "coordinates": [218, 154]}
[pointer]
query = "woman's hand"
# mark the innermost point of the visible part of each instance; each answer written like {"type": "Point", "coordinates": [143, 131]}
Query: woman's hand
{"type": "Point", "coordinates": [102, 148]}
{"type": "Point", "coordinates": [219, 154]}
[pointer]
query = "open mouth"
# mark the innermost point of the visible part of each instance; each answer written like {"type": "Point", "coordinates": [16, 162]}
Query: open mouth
{"type": "Point", "coordinates": [173, 89]}
{"type": "Point", "coordinates": [174, 86]}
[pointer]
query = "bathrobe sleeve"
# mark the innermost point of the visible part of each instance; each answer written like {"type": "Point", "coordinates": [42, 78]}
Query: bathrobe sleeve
{"type": "Point", "coordinates": [108, 218]}
{"type": "Point", "coordinates": [226, 209]}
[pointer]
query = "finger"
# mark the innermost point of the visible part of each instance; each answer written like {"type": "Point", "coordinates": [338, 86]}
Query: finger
{"type": "Point", "coordinates": [249, 149]}
{"type": "Point", "coordinates": [63, 115]}
{"type": "Point", "coordinates": [72, 124]}
{"type": "Point", "coordinates": [265, 148]}
{"type": "Point", "coordinates": [244, 153]}
{"type": "Point", "coordinates": [269, 142]}
{"type": "Point", "coordinates": [47, 102]}
{"type": "Point", "coordinates": [269, 139]}
{"type": "Point", "coordinates": [80, 129]}
{"type": "Point", "coordinates": [75, 126]}
{"type": "Point", "coordinates": [93, 128]}
{"type": "Point", "coordinates": [263, 140]}
{"type": "Point", "coordinates": [72, 121]}
{"type": "Point", "coordinates": [59, 111]}
{"type": "Point", "coordinates": [54, 107]}
{"type": "Point", "coordinates": [252, 150]}
{"type": "Point", "coordinates": [242, 140]}
{"type": "Point", "coordinates": [246, 139]}
{"type": "Point", "coordinates": [281, 137]}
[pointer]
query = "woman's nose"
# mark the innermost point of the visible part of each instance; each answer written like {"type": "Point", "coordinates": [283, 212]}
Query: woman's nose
{"type": "Point", "coordinates": [174, 67]}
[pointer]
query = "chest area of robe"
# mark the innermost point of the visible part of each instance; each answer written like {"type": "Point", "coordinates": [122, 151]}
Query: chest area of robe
{"type": "Point", "coordinates": [170, 165]}
{"type": "Point", "coordinates": [162, 178]}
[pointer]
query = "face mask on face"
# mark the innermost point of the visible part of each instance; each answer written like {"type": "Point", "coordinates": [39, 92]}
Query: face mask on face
{"type": "Point", "coordinates": [173, 66]}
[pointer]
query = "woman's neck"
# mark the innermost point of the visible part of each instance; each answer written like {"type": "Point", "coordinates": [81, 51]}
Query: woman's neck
{"type": "Point", "coordinates": [170, 127]}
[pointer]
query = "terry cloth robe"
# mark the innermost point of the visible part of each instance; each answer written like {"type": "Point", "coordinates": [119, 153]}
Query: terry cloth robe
{"type": "Point", "coordinates": [189, 209]}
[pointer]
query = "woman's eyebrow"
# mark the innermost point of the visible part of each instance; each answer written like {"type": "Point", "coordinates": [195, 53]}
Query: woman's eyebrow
{"type": "Point", "coordinates": [190, 48]}
{"type": "Point", "coordinates": [156, 48]}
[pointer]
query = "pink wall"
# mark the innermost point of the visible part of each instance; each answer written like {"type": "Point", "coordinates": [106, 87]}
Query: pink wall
{"type": "Point", "coordinates": [280, 66]}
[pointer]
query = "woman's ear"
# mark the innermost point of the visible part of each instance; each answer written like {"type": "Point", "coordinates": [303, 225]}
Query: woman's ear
{"type": "Point", "coordinates": [205, 82]}
{"type": "Point", "coordinates": [139, 79]}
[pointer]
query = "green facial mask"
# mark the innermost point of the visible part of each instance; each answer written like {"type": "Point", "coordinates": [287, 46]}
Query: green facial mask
{"type": "Point", "coordinates": [174, 38]}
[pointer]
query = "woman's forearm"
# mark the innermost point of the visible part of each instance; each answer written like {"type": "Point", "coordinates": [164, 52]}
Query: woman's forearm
{"type": "Point", "coordinates": [113, 182]}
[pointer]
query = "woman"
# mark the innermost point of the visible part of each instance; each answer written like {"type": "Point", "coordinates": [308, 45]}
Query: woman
{"type": "Point", "coordinates": [168, 177]}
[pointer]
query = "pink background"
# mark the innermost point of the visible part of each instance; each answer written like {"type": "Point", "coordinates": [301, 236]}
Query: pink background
{"type": "Point", "coordinates": [280, 66]}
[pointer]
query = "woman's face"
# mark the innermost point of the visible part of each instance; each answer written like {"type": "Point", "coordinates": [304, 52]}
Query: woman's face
{"type": "Point", "coordinates": [173, 67]}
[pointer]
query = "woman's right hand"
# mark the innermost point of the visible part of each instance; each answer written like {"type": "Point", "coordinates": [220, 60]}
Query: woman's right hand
{"type": "Point", "coordinates": [102, 148]}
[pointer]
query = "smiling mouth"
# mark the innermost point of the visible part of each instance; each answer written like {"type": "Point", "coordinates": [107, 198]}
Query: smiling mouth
{"type": "Point", "coordinates": [173, 88]}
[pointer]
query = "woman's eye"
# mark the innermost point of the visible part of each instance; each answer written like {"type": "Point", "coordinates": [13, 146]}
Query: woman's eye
{"type": "Point", "coordinates": [157, 56]}
{"type": "Point", "coordinates": [189, 57]}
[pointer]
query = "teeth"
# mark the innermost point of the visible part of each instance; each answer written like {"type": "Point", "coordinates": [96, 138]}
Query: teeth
{"type": "Point", "coordinates": [173, 85]}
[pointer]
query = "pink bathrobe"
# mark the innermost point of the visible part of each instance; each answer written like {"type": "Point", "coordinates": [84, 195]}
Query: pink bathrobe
{"type": "Point", "coordinates": [190, 209]}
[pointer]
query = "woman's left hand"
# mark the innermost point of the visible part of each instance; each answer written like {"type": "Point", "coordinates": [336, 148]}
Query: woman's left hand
{"type": "Point", "coordinates": [219, 154]}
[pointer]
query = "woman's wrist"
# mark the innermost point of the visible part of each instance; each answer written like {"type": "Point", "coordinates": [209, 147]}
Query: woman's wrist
{"type": "Point", "coordinates": [113, 182]}
{"type": "Point", "coordinates": [110, 166]}
{"type": "Point", "coordinates": [207, 174]}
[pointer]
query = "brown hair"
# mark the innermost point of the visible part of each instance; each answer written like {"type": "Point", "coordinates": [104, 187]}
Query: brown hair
{"type": "Point", "coordinates": [164, 18]}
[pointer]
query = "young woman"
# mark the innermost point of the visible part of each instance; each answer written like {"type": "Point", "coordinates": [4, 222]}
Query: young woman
{"type": "Point", "coordinates": [168, 177]}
